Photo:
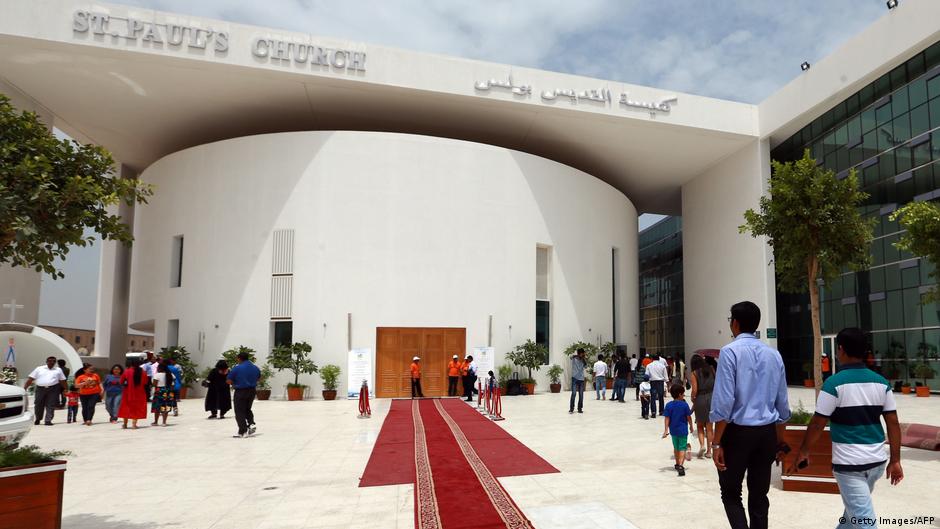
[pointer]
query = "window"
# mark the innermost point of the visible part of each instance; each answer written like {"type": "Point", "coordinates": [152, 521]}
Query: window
{"type": "Point", "coordinates": [283, 333]}
{"type": "Point", "coordinates": [132, 343]}
{"type": "Point", "coordinates": [172, 333]}
{"type": "Point", "coordinates": [176, 262]}
{"type": "Point", "coordinates": [543, 297]}
{"type": "Point", "coordinates": [78, 339]}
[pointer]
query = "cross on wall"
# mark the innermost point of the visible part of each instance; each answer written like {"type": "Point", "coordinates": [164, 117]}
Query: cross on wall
{"type": "Point", "coordinates": [13, 306]}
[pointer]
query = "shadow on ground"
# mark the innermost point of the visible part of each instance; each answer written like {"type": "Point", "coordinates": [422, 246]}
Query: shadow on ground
{"type": "Point", "coordinates": [93, 521]}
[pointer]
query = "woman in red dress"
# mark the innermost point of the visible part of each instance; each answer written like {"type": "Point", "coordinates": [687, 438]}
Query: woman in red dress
{"type": "Point", "coordinates": [134, 396]}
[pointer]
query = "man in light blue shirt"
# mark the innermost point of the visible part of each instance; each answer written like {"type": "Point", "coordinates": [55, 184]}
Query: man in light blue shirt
{"type": "Point", "coordinates": [749, 409]}
{"type": "Point", "coordinates": [578, 364]}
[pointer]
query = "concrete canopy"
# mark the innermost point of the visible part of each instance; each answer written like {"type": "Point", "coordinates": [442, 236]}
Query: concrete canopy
{"type": "Point", "coordinates": [143, 100]}
{"type": "Point", "coordinates": [33, 345]}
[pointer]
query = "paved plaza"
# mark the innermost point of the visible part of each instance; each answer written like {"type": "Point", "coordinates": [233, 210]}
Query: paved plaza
{"type": "Point", "coordinates": [302, 470]}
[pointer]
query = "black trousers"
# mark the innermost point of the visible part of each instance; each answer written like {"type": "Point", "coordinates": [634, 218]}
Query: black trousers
{"type": "Point", "coordinates": [88, 406]}
{"type": "Point", "coordinates": [46, 400]}
{"type": "Point", "coordinates": [468, 382]}
{"type": "Point", "coordinates": [242, 402]}
{"type": "Point", "coordinates": [452, 386]}
{"type": "Point", "coordinates": [657, 388]}
{"type": "Point", "coordinates": [751, 450]}
{"type": "Point", "coordinates": [416, 388]}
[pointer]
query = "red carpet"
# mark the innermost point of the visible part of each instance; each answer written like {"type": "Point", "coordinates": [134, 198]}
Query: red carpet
{"type": "Point", "coordinates": [392, 459]}
{"type": "Point", "coordinates": [453, 488]}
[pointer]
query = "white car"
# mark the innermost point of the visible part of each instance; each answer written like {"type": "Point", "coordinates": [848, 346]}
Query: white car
{"type": "Point", "coordinates": [15, 417]}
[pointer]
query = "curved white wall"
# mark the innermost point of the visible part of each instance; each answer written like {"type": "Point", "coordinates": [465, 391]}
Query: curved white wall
{"type": "Point", "coordinates": [399, 230]}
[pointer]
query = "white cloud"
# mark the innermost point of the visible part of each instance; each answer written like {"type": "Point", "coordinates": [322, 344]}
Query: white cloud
{"type": "Point", "coordinates": [741, 49]}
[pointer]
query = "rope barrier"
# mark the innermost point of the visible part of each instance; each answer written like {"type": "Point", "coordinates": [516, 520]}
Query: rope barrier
{"type": "Point", "coordinates": [497, 406]}
{"type": "Point", "coordinates": [365, 411]}
{"type": "Point", "coordinates": [479, 395]}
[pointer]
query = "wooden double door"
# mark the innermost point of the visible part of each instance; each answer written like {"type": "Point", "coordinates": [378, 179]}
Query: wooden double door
{"type": "Point", "coordinates": [396, 346]}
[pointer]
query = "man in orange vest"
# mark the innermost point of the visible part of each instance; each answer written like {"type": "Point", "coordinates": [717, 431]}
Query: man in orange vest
{"type": "Point", "coordinates": [454, 368]}
{"type": "Point", "coordinates": [416, 378]}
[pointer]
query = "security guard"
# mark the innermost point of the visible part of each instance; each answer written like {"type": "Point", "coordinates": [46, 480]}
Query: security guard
{"type": "Point", "coordinates": [454, 371]}
{"type": "Point", "coordinates": [416, 378]}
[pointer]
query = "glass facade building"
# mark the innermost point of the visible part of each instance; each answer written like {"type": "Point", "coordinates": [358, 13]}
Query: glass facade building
{"type": "Point", "coordinates": [661, 312]}
{"type": "Point", "coordinates": [889, 132]}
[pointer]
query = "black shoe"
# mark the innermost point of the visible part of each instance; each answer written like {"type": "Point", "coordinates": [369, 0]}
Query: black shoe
{"type": "Point", "coordinates": [211, 416]}
{"type": "Point", "coordinates": [681, 470]}
{"type": "Point", "coordinates": [579, 411]}
{"type": "Point", "coordinates": [654, 415]}
{"type": "Point", "coordinates": [36, 422]}
{"type": "Point", "coordinates": [222, 416]}
{"type": "Point", "coordinates": [570, 411]}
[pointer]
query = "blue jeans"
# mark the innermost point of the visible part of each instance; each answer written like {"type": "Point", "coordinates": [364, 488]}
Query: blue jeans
{"type": "Point", "coordinates": [620, 389]}
{"type": "Point", "coordinates": [855, 486]}
{"type": "Point", "coordinates": [656, 395]}
{"type": "Point", "coordinates": [600, 386]}
{"type": "Point", "coordinates": [112, 402]}
{"type": "Point", "coordinates": [577, 386]}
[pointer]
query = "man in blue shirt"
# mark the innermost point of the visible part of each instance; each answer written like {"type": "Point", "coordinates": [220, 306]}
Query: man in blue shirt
{"type": "Point", "coordinates": [244, 378]}
{"type": "Point", "coordinates": [749, 409]}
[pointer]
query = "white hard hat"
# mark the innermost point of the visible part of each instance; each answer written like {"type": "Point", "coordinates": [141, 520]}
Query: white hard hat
{"type": "Point", "coordinates": [455, 356]}
{"type": "Point", "coordinates": [416, 358]}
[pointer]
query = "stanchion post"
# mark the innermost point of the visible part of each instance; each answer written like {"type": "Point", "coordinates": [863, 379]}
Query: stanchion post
{"type": "Point", "coordinates": [365, 411]}
{"type": "Point", "coordinates": [498, 406]}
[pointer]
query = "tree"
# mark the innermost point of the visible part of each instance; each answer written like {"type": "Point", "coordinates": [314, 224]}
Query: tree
{"type": "Point", "coordinates": [180, 355]}
{"type": "Point", "coordinates": [294, 357]}
{"type": "Point", "coordinates": [922, 222]}
{"type": "Point", "coordinates": [812, 222]}
{"type": "Point", "coordinates": [529, 355]}
{"type": "Point", "coordinates": [51, 190]}
{"type": "Point", "coordinates": [231, 356]}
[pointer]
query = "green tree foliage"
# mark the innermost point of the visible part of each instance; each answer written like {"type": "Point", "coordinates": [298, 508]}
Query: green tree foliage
{"type": "Point", "coordinates": [231, 356]}
{"type": "Point", "coordinates": [295, 358]}
{"type": "Point", "coordinates": [529, 355]}
{"type": "Point", "coordinates": [180, 355]}
{"type": "Point", "coordinates": [51, 190]}
{"type": "Point", "coordinates": [922, 222]}
{"type": "Point", "coordinates": [812, 221]}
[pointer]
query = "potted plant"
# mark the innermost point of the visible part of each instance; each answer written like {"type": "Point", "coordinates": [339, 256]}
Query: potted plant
{"type": "Point", "coordinates": [330, 375]}
{"type": "Point", "coordinates": [554, 374]}
{"type": "Point", "coordinates": [906, 387]}
{"type": "Point", "coordinates": [817, 477]}
{"type": "Point", "coordinates": [180, 355]}
{"type": "Point", "coordinates": [295, 358]}
{"type": "Point", "coordinates": [263, 389]}
{"type": "Point", "coordinates": [529, 355]}
{"type": "Point", "coordinates": [503, 373]}
{"type": "Point", "coordinates": [8, 375]}
{"type": "Point", "coordinates": [231, 356]}
{"type": "Point", "coordinates": [808, 371]}
{"type": "Point", "coordinates": [923, 372]}
{"type": "Point", "coordinates": [31, 486]}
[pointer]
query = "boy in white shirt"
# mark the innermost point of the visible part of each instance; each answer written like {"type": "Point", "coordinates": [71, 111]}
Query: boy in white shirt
{"type": "Point", "coordinates": [600, 378]}
{"type": "Point", "coordinates": [645, 396]}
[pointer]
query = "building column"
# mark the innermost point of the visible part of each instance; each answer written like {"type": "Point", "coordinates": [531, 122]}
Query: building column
{"type": "Point", "coordinates": [114, 288]}
{"type": "Point", "coordinates": [721, 266]}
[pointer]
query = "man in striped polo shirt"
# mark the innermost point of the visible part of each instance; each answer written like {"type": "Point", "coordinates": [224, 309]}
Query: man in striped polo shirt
{"type": "Point", "coordinates": [853, 402]}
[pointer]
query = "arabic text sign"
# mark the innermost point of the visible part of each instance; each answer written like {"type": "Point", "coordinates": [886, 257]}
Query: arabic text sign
{"type": "Point", "coordinates": [602, 95]}
{"type": "Point", "coordinates": [359, 368]}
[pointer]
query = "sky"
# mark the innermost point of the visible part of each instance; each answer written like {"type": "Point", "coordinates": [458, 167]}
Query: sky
{"type": "Point", "coordinates": [742, 50]}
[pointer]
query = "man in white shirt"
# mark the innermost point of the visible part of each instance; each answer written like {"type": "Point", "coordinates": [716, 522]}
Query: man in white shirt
{"type": "Point", "coordinates": [50, 382]}
{"type": "Point", "coordinates": [470, 378]}
{"type": "Point", "coordinates": [658, 370]}
{"type": "Point", "coordinates": [633, 363]}
{"type": "Point", "coordinates": [600, 378]}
